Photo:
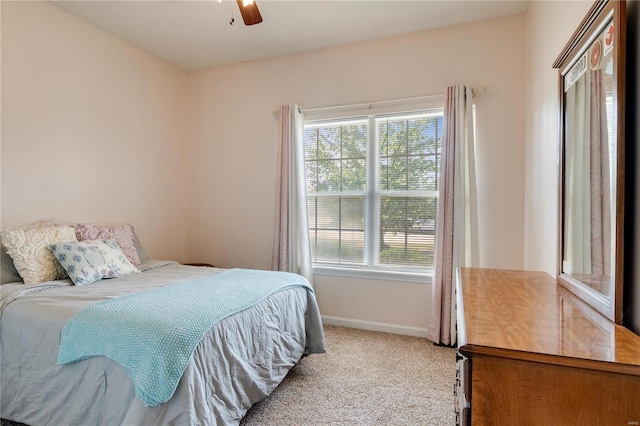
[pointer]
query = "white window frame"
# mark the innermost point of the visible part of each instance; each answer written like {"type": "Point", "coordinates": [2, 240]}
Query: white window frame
{"type": "Point", "coordinates": [431, 106]}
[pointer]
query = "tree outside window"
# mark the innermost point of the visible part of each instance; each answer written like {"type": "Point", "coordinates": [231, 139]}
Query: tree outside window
{"type": "Point", "coordinates": [372, 188]}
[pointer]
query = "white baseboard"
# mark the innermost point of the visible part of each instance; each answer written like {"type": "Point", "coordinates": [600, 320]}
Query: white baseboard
{"type": "Point", "coordinates": [375, 326]}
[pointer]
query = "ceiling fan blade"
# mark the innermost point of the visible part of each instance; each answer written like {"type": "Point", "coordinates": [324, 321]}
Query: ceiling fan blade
{"type": "Point", "coordinates": [250, 13]}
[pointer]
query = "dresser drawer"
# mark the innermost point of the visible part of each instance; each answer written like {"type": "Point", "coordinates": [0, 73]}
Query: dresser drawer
{"type": "Point", "coordinates": [462, 390]}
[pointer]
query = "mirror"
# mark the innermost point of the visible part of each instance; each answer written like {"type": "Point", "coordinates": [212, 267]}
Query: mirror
{"type": "Point", "coordinates": [591, 70]}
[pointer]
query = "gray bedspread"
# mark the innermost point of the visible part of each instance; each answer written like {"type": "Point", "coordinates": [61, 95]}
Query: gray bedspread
{"type": "Point", "coordinates": [240, 361]}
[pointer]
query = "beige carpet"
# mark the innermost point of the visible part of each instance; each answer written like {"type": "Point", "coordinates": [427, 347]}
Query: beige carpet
{"type": "Point", "coordinates": [365, 378]}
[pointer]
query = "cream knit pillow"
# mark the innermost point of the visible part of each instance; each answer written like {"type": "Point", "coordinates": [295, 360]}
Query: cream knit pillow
{"type": "Point", "coordinates": [30, 253]}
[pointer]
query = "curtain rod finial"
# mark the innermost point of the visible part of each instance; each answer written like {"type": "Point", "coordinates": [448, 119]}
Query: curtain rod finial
{"type": "Point", "coordinates": [478, 90]}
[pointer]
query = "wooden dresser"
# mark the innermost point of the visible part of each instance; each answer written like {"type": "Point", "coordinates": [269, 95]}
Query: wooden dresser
{"type": "Point", "coordinates": [530, 353]}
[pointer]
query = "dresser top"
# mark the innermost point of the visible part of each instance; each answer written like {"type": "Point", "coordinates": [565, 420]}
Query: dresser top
{"type": "Point", "coordinates": [520, 314]}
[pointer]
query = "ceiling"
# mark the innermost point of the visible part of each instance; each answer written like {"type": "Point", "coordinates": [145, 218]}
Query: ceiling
{"type": "Point", "coordinates": [197, 34]}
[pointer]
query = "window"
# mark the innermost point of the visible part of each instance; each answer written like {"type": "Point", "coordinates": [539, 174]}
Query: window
{"type": "Point", "coordinates": [372, 188]}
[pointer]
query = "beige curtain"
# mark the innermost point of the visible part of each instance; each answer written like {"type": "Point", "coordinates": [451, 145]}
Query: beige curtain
{"type": "Point", "coordinates": [577, 250]}
{"type": "Point", "coordinates": [291, 246]}
{"type": "Point", "coordinates": [600, 180]}
{"type": "Point", "coordinates": [456, 236]}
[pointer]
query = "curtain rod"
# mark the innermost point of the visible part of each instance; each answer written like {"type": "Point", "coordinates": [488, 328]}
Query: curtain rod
{"type": "Point", "coordinates": [474, 91]}
{"type": "Point", "coordinates": [372, 103]}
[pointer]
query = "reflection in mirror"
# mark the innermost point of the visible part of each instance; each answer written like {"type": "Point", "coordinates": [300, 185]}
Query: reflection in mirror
{"type": "Point", "coordinates": [589, 162]}
{"type": "Point", "coordinates": [584, 332]}
{"type": "Point", "coordinates": [592, 201]}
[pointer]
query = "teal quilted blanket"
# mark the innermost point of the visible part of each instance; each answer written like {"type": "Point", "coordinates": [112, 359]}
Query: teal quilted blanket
{"type": "Point", "coordinates": [154, 333]}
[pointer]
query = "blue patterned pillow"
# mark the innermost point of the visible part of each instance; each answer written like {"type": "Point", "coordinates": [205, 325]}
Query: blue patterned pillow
{"type": "Point", "coordinates": [92, 260]}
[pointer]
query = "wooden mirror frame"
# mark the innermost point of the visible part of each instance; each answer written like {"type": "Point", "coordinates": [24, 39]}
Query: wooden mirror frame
{"type": "Point", "coordinates": [597, 16]}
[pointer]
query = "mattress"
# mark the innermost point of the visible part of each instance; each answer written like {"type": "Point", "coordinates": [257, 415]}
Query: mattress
{"type": "Point", "coordinates": [238, 362]}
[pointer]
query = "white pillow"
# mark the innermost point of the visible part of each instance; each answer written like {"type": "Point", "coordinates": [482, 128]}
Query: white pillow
{"type": "Point", "coordinates": [8, 272]}
{"type": "Point", "coordinates": [88, 261]}
{"type": "Point", "coordinates": [31, 256]}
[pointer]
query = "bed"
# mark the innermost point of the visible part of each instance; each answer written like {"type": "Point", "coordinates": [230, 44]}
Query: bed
{"type": "Point", "coordinates": [240, 360]}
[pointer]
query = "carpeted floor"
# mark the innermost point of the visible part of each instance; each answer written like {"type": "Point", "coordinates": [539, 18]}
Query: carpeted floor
{"type": "Point", "coordinates": [365, 378]}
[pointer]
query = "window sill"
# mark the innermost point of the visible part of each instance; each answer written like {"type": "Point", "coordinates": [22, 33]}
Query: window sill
{"type": "Point", "coordinates": [424, 277]}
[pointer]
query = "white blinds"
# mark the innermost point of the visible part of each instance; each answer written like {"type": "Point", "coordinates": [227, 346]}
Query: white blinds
{"type": "Point", "coordinates": [372, 189]}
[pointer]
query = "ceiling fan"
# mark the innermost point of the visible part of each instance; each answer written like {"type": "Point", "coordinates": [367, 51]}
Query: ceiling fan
{"type": "Point", "coordinates": [249, 11]}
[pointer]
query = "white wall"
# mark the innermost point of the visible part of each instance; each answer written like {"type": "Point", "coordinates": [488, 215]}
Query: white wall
{"type": "Point", "coordinates": [93, 129]}
{"type": "Point", "coordinates": [234, 145]}
{"type": "Point", "coordinates": [549, 25]}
